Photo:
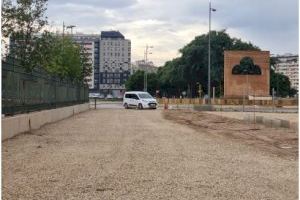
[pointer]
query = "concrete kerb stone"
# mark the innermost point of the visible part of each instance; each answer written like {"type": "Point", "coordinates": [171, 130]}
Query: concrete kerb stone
{"type": "Point", "coordinates": [285, 123]}
{"type": "Point", "coordinates": [270, 122]}
{"type": "Point", "coordinates": [294, 126]}
{"type": "Point", "coordinates": [204, 108]}
{"type": "Point", "coordinates": [249, 118]}
{"type": "Point", "coordinates": [259, 119]}
{"type": "Point", "coordinates": [12, 126]}
{"type": "Point", "coordinates": [276, 123]}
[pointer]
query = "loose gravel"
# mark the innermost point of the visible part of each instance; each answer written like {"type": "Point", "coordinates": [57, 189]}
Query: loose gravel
{"type": "Point", "coordinates": [137, 154]}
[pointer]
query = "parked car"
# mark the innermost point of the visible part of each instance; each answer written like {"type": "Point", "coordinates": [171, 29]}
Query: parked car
{"type": "Point", "coordinates": [94, 95]}
{"type": "Point", "coordinates": [139, 100]}
{"type": "Point", "coordinates": [109, 96]}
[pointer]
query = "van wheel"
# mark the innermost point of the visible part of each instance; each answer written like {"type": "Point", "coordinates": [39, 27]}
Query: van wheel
{"type": "Point", "coordinates": [140, 106]}
{"type": "Point", "coordinates": [126, 106]}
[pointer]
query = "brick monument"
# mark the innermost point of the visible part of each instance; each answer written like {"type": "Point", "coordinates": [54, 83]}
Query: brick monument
{"type": "Point", "coordinates": [246, 73]}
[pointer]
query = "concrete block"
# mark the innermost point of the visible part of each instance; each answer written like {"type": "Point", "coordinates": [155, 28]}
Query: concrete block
{"type": "Point", "coordinates": [249, 118]}
{"type": "Point", "coordinates": [37, 119]}
{"type": "Point", "coordinates": [246, 118]}
{"type": "Point", "coordinates": [9, 127]}
{"type": "Point", "coordinates": [294, 126]}
{"type": "Point", "coordinates": [276, 123]}
{"type": "Point", "coordinates": [203, 108]}
{"type": "Point", "coordinates": [285, 123]}
{"type": "Point", "coordinates": [267, 122]}
{"type": "Point", "coordinates": [23, 123]}
{"type": "Point", "coordinates": [259, 119]}
{"type": "Point", "coordinates": [12, 126]}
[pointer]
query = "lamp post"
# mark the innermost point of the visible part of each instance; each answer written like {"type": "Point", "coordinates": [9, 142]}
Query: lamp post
{"type": "Point", "coordinates": [71, 27]}
{"type": "Point", "coordinates": [210, 9]}
{"type": "Point", "coordinates": [145, 71]}
{"type": "Point", "coordinates": [245, 71]}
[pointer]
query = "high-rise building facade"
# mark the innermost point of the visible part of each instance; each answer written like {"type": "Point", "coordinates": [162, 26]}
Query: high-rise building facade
{"type": "Point", "coordinates": [288, 65]}
{"type": "Point", "coordinates": [110, 54]}
{"type": "Point", "coordinates": [115, 59]}
{"type": "Point", "coordinates": [90, 45]}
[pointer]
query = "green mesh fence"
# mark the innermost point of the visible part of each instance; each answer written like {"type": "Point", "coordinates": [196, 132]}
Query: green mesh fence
{"type": "Point", "coordinates": [24, 92]}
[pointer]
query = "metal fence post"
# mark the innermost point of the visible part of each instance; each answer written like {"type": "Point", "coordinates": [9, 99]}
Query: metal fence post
{"type": "Point", "coordinates": [273, 108]}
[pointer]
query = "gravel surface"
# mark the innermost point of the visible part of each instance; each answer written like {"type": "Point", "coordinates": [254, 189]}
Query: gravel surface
{"type": "Point", "coordinates": [137, 154]}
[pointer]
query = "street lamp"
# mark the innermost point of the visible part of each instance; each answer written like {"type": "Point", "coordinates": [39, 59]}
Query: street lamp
{"type": "Point", "coordinates": [210, 9]}
{"type": "Point", "coordinates": [245, 71]}
{"type": "Point", "coordinates": [71, 27]}
{"type": "Point", "coordinates": [145, 70]}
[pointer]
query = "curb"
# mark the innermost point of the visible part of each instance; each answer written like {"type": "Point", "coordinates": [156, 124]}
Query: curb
{"type": "Point", "coordinates": [271, 122]}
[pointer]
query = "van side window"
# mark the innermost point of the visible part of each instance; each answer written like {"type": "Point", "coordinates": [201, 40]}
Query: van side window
{"type": "Point", "coordinates": [134, 96]}
{"type": "Point", "coordinates": [127, 96]}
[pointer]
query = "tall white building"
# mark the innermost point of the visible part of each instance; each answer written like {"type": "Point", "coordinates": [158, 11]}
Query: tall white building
{"type": "Point", "coordinates": [110, 55]}
{"type": "Point", "coordinates": [90, 45]}
{"type": "Point", "coordinates": [115, 59]}
{"type": "Point", "coordinates": [288, 65]}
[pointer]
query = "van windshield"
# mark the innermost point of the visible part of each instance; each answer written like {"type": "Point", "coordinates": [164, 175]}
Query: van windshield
{"type": "Point", "coordinates": [145, 96]}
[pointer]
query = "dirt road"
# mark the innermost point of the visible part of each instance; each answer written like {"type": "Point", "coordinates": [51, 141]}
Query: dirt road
{"type": "Point", "coordinates": [133, 154]}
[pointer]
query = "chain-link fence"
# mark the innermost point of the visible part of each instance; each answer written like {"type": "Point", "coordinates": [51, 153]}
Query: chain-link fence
{"type": "Point", "coordinates": [24, 92]}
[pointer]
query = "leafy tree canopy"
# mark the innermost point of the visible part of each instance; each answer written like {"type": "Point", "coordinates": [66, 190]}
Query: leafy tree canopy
{"type": "Point", "coordinates": [189, 71]}
{"type": "Point", "coordinates": [23, 22]}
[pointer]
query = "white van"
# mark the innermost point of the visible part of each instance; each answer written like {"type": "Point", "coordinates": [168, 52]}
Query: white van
{"type": "Point", "coordinates": [139, 100]}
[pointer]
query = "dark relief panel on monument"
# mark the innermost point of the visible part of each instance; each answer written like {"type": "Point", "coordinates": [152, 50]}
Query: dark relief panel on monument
{"type": "Point", "coordinates": [245, 67]}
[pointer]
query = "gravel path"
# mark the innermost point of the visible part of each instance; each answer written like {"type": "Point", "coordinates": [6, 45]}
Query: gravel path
{"type": "Point", "coordinates": [133, 154]}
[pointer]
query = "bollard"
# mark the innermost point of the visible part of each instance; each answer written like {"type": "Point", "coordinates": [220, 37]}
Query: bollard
{"type": "Point", "coordinates": [165, 105]}
{"type": "Point", "coordinates": [95, 103]}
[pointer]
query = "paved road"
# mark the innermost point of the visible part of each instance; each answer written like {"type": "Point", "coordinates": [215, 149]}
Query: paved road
{"type": "Point", "coordinates": [107, 105]}
{"type": "Point", "coordinates": [136, 154]}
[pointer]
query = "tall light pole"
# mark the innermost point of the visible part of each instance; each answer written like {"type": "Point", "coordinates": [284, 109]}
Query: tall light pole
{"type": "Point", "coordinates": [71, 27]}
{"type": "Point", "coordinates": [145, 71]}
{"type": "Point", "coordinates": [208, 82]}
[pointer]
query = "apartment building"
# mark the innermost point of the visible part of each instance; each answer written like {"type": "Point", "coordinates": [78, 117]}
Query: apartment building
{"type": "Point", "coordinates": [288, 65]}
{"type": "Point", "coordinates": [110, 55]}
{"type": "Point", "coordinates": [90, 45]}
{"type": "Point", "coordinates": [115, 59]}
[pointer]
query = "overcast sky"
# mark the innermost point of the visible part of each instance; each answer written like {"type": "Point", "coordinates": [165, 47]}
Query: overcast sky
{"type": "Point", "coordinates": [169, 24]}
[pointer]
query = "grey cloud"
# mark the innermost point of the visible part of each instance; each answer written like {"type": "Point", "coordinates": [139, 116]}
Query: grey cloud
{"type": "Point", "coordinates": [111, 4]}
{"type": "Point", "coordinates": [271, 25]}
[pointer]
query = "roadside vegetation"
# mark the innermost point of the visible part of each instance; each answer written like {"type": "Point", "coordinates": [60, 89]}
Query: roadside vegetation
{"type": "Point", "coordinates": [188, 73]}
{"type": "Point", "coordinates": [31, 46]}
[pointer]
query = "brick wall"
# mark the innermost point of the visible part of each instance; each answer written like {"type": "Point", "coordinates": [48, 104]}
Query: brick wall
{"type": "Point", "coordinates": [235, 86]}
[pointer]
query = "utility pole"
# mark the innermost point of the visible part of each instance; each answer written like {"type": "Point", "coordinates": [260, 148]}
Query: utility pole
{"type": "Point", "coordinates": [71, 27]}
{"type": "Point", "coordinates": [63, 29]}
{"type": "Point", "coordinates": [208, 84]}
{"type": "Point", "coordinates": [145, 70]}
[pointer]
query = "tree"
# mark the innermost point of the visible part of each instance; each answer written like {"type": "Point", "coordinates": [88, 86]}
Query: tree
{"type": "Point", "coordinates": [62, 57]}
{"type": "Point", "coordinates": [21, 21]}
{"type": "Point", "coordinates": [281, 85]}
{"type": "Point", "coordinates": [280, 82]}
{"type": "Point", "coordinates": [191, 69]}
{"type": "Point", "coordinates": [136, 82]}
{"type": "Point", "coordinates": [171, 78]}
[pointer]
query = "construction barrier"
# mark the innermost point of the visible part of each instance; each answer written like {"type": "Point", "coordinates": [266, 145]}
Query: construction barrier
{"type": "Point", "coordinates": [198, 101]}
